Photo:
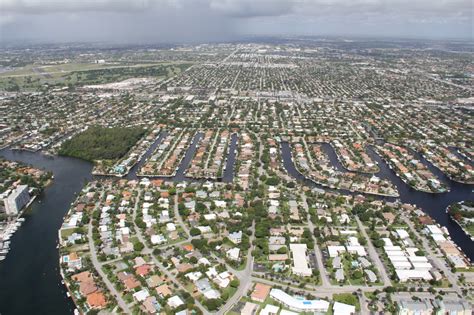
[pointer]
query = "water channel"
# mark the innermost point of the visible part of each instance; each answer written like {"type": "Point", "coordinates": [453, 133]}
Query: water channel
{"type": "Point", "coordinates": [433, 204]}
{"type": "Point", "coordinates": [30, 282]}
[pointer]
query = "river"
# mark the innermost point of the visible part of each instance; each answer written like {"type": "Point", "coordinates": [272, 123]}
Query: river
{"type": "Point", "coordinates": [30, 282]}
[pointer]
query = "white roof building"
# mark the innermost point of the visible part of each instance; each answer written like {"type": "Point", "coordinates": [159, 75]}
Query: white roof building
{"type": "Point", "coordinates": [335, 250]}
{"type": "Point", "coordinates": [233, 253]}
{"type": "Point", "coordinates": [422, 266]}
{"type": "Point", "coordinates": [412, 274]}
{"type": "Point", "coordinates": [175, 301]}
{"type": "Point", "coordinates": [343, 309]}
{"type": "Point", "coordinates": [433, 229]}
{"type": "Point", "coordinates": [141, 295]}
{"type": "Point", "coordinates": [235, 237]}
{"type": "Point", "coordinates": [300, 261]}
{"type": "Point", "coordinates": [297, 304]}
{"type": "Point", "coordinates": [401, 264]}
{"type": "Point", "coordinates": [170, 227]}
{"type": "Point", "coordinates": [438, 237]}
{"type": "Point", "coordinates": [387, 241]}
{"type": "Point", "coordinates": [359, 250]}
{"type": "Point", "coordinates": [403, 234]}
{"type": "Point", "coordinates": [269, 310]}
{"type": "Point", "coordinates": [158, 239]}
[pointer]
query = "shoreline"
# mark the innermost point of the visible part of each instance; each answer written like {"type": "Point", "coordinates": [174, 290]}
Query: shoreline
{"type": "Point", "coordinates": [336, 188]}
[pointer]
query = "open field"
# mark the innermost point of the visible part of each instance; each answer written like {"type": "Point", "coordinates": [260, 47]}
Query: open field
{"type": "Point", "coordinates": [33, 77]}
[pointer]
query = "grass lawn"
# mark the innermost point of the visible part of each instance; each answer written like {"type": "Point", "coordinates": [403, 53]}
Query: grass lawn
{"type": "Point", "coordinates": [230, 290]}
{"type": "Point", "coordinates": [347, 298]}
{"type": "Point", "coordinates": [65, 233]}
{"type": "Point", "coordinates": [369, 295]}
{"type": "Point", "coordinates": [470, 269]}
{"type": "Point", "coordinates": [34, 77]}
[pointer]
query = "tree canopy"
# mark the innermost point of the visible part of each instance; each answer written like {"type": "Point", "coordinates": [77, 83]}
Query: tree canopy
{"type": "Point", "coordinates": [101, 143]}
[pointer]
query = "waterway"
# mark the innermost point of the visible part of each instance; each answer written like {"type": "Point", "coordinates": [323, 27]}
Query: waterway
{"type": "Point", "coordinates": [30, 282]}
{"type": "Point", "coordinates": [433, 204]}
{"type": "Point", "coordinates": [228, 175]}
{"type": "Point", "coordinates": [132, 174]}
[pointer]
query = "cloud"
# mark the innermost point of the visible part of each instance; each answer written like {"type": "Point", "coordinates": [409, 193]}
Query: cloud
{"type": "Point", "coordinates": [252, 8]}
{"type": "Point", "coordinates": [195, 20]}
{"type": "Point", "coordinates": [55, 6]}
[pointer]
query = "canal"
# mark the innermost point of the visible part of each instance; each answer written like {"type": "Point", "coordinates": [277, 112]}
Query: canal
{"type": "Point", "coordinates": [30, 282]}
{"type": "Point", "coordinates": [432, 204]}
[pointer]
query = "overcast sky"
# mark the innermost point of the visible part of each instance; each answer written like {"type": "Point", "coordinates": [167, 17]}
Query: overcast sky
{"type": "Point", "coordinates": [154, 21]}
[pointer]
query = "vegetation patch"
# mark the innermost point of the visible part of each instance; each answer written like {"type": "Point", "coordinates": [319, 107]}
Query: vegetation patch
{"type": "Point", "coordinates": [347, 298]}
{"type": "Point", "coordinates": [101, 143]}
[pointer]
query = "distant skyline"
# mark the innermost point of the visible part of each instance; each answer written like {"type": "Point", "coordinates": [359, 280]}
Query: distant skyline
{"type": "Point", "coordinates": [184, 21]}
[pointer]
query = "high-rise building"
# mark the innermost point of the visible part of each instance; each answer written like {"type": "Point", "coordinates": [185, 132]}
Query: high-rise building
{"type": "Point", "coordinates": [17, 200]}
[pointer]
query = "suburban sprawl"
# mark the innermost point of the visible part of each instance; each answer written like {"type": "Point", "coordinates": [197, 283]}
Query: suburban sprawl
{"type": "Point", "coordinates": [288, 177]}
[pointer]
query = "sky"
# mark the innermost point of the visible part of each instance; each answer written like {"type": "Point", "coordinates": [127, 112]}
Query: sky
{"type": "Point", "coordinates": [182, 21]}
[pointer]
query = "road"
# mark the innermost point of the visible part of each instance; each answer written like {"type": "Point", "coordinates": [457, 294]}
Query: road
{"type": "Point", "coordinates": [429, 76]}
{"type": "Point", "coordinates": [317, 251]}
{"type": "Point", "coordinates": [434, 257]}
{"type": "Point", "coordinates": [179, 218]}
{"type": "Point", "coordinates": [319, 291]}
{"type": "Point", "coordinates": [98, 267]}
{"type": "Point", "coordinates": [211, 149]}
{"type": "Point", "coordinates": [245, 278]}
{"type": "Point", "coordinates": [374, 255]}
{"type": "Point", "coordinates": [148, 250]}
